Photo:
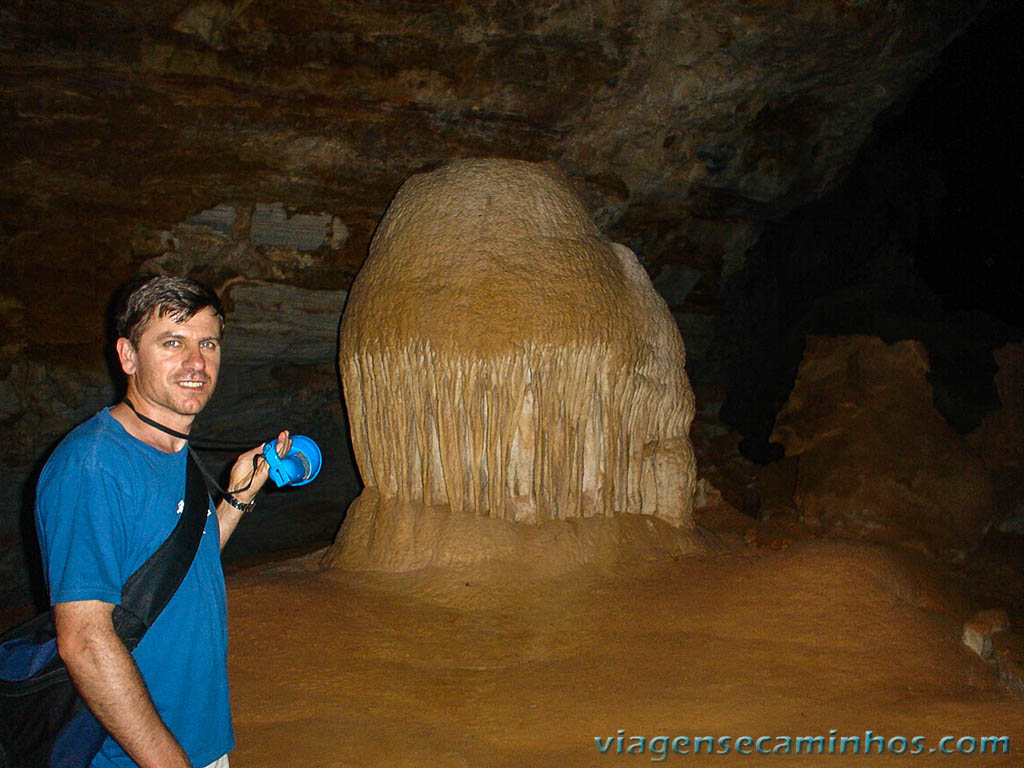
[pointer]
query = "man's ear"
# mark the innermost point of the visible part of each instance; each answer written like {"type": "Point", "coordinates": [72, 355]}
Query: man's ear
{"type": "Point", "coordinates": [126, 355]}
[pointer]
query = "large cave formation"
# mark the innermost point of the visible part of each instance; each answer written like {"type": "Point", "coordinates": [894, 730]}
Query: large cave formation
{"type": "Point", "coordinates": [781, 169]}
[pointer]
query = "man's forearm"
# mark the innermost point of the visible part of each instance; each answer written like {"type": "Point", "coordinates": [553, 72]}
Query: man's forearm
{"type": "Point", "coordinates": [249, 472]}
{"type": "Point", "coordinates": [227, 520]}
{"type": "Point", "coordinates": [106, 676]}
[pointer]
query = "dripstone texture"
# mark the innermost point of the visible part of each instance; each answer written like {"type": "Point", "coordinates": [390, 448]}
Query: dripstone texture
{"type": "Point", "coordinates": [501, 359]}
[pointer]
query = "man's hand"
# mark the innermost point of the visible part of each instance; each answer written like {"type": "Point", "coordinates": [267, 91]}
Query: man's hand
{"type": "Point", "coordinates": [109, 682]}
{"type": "Point", "coordinates": [242, 472]}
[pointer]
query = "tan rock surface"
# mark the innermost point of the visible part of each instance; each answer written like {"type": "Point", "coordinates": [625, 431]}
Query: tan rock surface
{"type": "Point", "coordinates": [501, 358]}
{"type": "Point", "coordinates": [495, 668]}
{"type": "Point", "coordinates": [876, 461]}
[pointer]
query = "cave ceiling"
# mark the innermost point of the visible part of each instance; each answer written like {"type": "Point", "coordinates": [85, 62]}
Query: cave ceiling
{"type": "Point", "coordinates": [685, 125]}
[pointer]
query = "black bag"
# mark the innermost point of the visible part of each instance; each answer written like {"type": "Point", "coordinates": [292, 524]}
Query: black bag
{"type": "Point", "coordinates": [43, 721]}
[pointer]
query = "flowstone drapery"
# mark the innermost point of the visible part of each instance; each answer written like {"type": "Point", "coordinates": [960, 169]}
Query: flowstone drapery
{"type": "Point", "coordinates": [505, 368]}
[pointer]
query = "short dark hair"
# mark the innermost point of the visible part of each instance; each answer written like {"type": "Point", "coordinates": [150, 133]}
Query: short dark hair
{"type": "Point", "coordinates": [179, 297]}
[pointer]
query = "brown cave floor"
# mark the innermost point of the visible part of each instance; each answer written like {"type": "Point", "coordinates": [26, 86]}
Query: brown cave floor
{"type": "Point", "coordinates": [490, 667]}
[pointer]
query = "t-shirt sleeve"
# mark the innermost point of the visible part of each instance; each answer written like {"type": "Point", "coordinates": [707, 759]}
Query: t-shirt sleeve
{"type": "Point", "coordinates": [82, 535]}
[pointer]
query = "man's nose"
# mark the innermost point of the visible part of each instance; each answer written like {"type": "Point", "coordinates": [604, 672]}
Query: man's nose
{"type": "Point", "coordinates": [194, 360]}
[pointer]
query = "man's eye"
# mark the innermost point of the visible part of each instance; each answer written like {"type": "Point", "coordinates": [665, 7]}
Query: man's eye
{"type": "Point", "coordinates": [209, 345]}
{"type": "Point", "coordinates": [172, 343]}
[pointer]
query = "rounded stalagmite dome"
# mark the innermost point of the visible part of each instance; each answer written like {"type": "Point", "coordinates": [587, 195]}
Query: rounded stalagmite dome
{"type": "Point", "coordinates": [503, 360]}
{"type": "Point", "coordinates": [486, 255]}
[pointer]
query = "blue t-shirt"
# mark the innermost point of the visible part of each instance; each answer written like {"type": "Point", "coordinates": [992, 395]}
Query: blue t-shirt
{"type": "Point", "coordinates": [105, 502]}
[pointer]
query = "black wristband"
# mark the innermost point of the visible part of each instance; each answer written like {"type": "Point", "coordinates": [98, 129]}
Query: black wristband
{"type": "Point", "coordinates": [241, 506]}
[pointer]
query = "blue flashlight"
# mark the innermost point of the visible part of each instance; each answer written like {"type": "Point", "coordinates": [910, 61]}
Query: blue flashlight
{"type": "Point", "coordinates": [299, 467]}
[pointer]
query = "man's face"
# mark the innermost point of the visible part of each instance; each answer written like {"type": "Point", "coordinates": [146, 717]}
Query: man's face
{"type": "Point", "coordinates": [174, 368]}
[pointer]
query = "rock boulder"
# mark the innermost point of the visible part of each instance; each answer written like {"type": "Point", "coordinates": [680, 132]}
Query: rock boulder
{"type": "Point", "coordinates": [876, 460]}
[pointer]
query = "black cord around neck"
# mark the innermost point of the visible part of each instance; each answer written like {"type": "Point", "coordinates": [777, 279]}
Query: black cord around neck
{"type": "Point", "coordinates": [156, 424]}
{"type": "Point", "coordinates": [174, 433]}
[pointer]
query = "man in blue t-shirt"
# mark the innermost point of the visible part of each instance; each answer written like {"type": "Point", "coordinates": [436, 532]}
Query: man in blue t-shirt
{"type": "Point", "coordinates": [107, 498]}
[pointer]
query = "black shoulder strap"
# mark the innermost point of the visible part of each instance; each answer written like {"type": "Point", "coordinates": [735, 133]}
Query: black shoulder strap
{"type": "Point", "coordinates": [150, 588]}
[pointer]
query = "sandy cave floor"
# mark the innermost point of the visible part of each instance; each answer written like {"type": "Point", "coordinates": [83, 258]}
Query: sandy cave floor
{"type": "Point", "coordinates": [487, 667]}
